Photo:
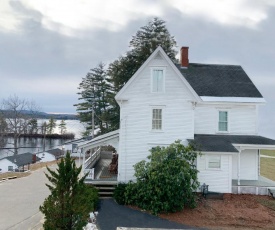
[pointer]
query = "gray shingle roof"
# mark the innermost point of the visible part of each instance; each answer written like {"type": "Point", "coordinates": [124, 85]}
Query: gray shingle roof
{"type": "Point", "coordinates": [22, 159]}
{"type": "Point", "coordinates": [219, 80]}
{"type": "Point", "coordinates": [224, 143]}
{"type": "Point", "coordinates": [56, 152]}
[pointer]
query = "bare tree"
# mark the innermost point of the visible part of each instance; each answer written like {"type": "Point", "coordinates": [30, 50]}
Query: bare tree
{"type": "Point", "coordinates": [18, 114]}
{"type": "Point", "coordinates": [3, 131]}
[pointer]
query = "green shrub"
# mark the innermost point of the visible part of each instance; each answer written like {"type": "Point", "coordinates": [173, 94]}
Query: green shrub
{"type": "Point", "coordinates": [167, 181]}
{"type": "Point", "coordinates": [119, 193]}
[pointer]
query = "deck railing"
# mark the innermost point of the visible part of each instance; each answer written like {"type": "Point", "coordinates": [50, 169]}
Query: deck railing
{"type": "Point", "coordinates": [92, 159]}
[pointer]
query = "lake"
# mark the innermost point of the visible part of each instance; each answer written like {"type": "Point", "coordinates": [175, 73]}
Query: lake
{"type": "Point", "coordinates": [37, 144]}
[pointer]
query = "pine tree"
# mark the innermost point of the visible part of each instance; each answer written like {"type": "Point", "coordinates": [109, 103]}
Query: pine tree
{"type": "Point", "coordinates": [62, 127]}
{"type": "Point", "coordinates": [142, 45]}
{"type": "Point", "coordinates": [51, 125]}
{"type": "Point", "coordinates": [95, 91]}
{"type": "Point", "coordinates": [71, 200]}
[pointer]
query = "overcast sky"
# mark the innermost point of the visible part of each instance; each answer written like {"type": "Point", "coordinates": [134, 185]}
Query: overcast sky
{"type": "Point", "coordinates": [46, 47]}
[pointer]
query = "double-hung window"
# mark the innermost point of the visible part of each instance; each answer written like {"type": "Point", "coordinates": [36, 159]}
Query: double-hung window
{"type": "Point", "coordinates": [157, 119]}
{"type": "Point", "coordinates": [157, 80]}
{"type": "Point", "coordinates": [214, 162]}
{"type": "Point", "coordinates": [223, 121]}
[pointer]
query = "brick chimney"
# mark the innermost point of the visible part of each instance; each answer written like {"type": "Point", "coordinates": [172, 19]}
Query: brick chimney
{"type": "Point", "coordinates": [184, 61]}
{"type": "Point", "coordinates": [33, 158]}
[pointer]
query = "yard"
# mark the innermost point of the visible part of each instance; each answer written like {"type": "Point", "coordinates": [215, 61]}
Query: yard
{"type": "Point", "coordinates": [233, 212]}
{"type": "Point", "coordinates": [268, 164]}
{"type": "Point", "coordinates": [27, 173]}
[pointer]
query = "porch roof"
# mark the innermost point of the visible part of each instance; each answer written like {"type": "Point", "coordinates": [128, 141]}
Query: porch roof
{"type": "Point", "coordinates": [104, 139]}
{"type": "Point", "coordinates": [228, 143]}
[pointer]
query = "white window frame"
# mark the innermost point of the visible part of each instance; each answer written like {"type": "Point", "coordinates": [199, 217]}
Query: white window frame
{"type": "Point", "coordinates": [208, 159]}
{"type": "Point", "coordinates": [152, 79]}
{"type": "Point", "coordinates": [228, 120]}
{"type": "Point", "coordinates": [162, 118]}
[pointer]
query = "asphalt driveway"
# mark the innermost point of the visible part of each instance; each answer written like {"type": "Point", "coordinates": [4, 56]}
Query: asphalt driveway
{"type": "Point", "coordinates": [111, 215]}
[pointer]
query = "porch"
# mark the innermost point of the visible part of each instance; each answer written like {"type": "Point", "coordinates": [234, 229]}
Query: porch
{"type": "Point", "coordinates": [257, 187]}
{"type": "Point", "coordinates": [98, 168]}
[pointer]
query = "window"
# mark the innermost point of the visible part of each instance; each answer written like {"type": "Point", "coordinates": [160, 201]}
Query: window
{"type": "Point", "coordinates": [214, 162]}
{"type": "Point", "coordinates": [223, 121]}
{"type": "Point", "coordinates": [157, 119]}
{"type": "Point", "coordinates": [158, 80]}
{"type": "Point", "coordinates": [10, 168]}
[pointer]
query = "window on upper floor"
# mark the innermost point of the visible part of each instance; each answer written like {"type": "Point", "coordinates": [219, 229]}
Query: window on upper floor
{"type": "Point", "coordinates": [223, 121]}
{"type": "Point", "coordinates": [157, 119]}
{"type": "Point", "coordinates": [157, 80]}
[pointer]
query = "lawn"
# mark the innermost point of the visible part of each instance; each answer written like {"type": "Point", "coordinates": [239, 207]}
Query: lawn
{"type": "Point", "coordinates": [268, 153]}
{"type": "Point", "coordinates": [268, 168]}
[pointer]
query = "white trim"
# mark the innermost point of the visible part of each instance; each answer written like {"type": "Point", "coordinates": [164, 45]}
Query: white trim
{"type": "Point", "coordinates": [233, 99]}
{"type": "Point", "coordinates": [256, 146]}
{"type": "Point", "coordinates": [172, 65]}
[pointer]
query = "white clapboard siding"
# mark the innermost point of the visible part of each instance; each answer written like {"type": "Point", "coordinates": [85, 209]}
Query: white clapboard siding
{"type": "Point", "coordinates": [4, 165]}
{"type": "Point", "coordinates": [249, 165]}
{"type": "Point", "coordinates": [241, 119]}
{"type": "Point", "coordinates": [218, 180]}
{"type": "Point", "coordinates": [136, 136]}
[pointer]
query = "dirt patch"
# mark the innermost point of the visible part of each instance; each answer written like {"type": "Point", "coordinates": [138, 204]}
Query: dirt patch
{"type": "Point", "coordinates": [33, 167]}
{"type": "Point", "coordinates": [233, 212]}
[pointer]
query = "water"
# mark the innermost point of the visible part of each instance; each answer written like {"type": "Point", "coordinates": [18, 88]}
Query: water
{"type": "Point", "coordinates": [37, 144]}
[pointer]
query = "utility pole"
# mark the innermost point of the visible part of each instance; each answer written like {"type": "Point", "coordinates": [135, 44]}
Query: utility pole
{"type": "Point", "coordinates": [93, 121]}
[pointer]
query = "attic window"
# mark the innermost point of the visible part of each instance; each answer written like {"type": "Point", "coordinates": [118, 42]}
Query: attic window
{"type": "Point", "coordinates": [157, 80]}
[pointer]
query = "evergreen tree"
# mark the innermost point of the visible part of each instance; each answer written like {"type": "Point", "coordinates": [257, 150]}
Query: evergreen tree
{"type": "Point", "coordinates": [146, 40]}
{"type": "Point", "coordinates": [62, 127]}
{"type": "Point", "coordinates": [51, 125]}
{"type": "Point", "coordinates": [32, 126]}
{"type": "Point", "coordinates": [95, 91]}
{"type": "Point", "coordinates": [71, 200]}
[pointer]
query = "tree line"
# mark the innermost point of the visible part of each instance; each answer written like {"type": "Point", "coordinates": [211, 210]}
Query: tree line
{"type": "Point", "coordinates": [99, 87]}
{"type": "Point", "coordinates": [15, 122]}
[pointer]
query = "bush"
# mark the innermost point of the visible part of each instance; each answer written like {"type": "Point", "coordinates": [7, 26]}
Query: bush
{"type": "Point", "coordinates": [167, 181]}
{"type": "Point", "coordinates": [119, 193]}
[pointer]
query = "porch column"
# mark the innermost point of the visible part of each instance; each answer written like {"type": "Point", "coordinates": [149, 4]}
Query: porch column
{"type": "Point", "coordinates": [83, 152]}
{"type": "Point", "coordinates": [239, 170]}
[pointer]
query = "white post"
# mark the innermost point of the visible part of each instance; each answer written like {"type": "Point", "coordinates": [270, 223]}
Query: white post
{"type": "Point", "coordinates": [83, 162]}
{"type": "Point", "coordinates": [239, 170]}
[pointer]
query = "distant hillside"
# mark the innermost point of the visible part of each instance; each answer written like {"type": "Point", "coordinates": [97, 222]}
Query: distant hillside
{"type": "Point", "coordinates": [43, 115]}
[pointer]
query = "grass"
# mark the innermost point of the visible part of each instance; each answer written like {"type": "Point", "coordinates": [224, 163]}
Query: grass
{"type": "Point", "coordinates": [267, 203]}
{"type": "Point", "coordinates": [268, 153]}
{"type": "Point", "coordinates": [268, 168]}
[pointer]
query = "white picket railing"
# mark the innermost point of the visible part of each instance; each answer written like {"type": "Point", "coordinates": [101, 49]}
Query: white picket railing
{"type": "Point", "coordinates": [93, 158]}
{"type": "Point", "coordinates": [90, 172]}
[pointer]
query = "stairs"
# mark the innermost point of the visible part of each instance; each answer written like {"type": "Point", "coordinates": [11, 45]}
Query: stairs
{"type": "Point", "coordinates": [105, 188]}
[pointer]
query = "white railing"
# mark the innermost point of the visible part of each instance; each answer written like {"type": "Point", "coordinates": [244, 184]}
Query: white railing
{"type": "Point", "coordinates": [93, 158]}
{"type": "Point", "coordinates": [90, 172]}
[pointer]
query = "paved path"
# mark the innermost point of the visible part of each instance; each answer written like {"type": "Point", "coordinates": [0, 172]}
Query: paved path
{"type": "Point", "coordinates": [266, 156]}
{"type": "Point", "coordinates": [20, 200]}
{"type": "Point", "coordinates": [111, 215]}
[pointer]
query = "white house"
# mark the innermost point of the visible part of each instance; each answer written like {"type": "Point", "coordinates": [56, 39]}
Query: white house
{"type": "Point", "coordinates": [15, 162]}
{"type": "Point", "coordinates": [50, 155]}
{"type": "Point", "coordinates": [213, 106]}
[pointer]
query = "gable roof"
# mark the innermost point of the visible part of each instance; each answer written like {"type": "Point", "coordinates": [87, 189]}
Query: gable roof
{"type": "Point", "coordinates": [56, 152]}
{"type": "Point", "coordinates": [227, 143]}
{"type": "Point", "coordinates": [22, 159]}
{"type": "Point", "coordinates": [158, 51]}
{"type": "Point", "coordinates": [219, 80]}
